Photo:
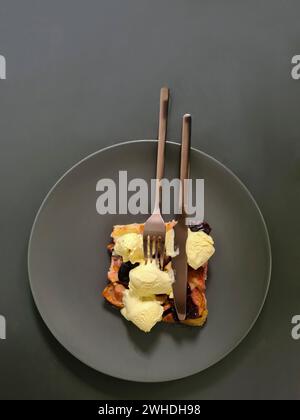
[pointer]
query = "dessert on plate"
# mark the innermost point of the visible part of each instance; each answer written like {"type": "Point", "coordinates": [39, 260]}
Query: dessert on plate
{"type": "Point", "coordinates": [143, 292]}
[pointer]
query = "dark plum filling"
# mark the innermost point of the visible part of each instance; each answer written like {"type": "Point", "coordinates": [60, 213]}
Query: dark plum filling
{"type": "Point", "coordinates": [167, 260]}
{"type": "Point", "coordinates": [124, 270]}
{"type": "Point", "coordinates": [172, 311]}
{"type": "Point", "coordinates": [192, 310]}
{"type": "Point", "coordinates": [201, 226]}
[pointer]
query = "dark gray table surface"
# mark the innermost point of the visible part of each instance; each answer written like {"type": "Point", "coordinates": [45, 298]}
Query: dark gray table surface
{"type": "Point", "coordinates": [86, 74]}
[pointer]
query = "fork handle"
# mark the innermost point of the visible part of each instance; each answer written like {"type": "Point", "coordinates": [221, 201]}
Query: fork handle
{"type": "Point", "coordinates": [162, 134]}
{"type": "Point", "coordinates": [185, 160]}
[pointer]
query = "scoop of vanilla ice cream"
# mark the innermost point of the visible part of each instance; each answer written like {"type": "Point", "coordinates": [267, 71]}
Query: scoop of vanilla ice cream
{"type": "Point", "coordinates": [130, 247]}
{"type": "Point", "coordinates": [169, 244]}
{"type": "Point", "coordinates": [143, 312]}
{"type": "Point", "coordinates": [148, 279]}
{"type": "Point", "coordinates": [199, 248]}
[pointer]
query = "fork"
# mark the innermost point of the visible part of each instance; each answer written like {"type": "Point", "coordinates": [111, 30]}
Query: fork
{"type": "Point", "coordinates": [155, 228]}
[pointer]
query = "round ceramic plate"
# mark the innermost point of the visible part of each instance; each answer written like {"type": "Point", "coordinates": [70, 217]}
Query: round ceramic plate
{"type": "Point", "coordinates": [68, 263]}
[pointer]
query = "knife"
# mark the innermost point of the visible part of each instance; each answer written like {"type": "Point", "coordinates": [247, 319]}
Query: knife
{"type": "Point", "coordinates": [181, 229]}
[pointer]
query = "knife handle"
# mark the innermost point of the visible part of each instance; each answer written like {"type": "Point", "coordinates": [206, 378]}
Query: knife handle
{"type": "Point", "coordinates": [185, 161]}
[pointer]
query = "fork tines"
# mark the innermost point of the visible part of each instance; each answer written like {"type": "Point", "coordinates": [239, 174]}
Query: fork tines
{"type": "Point", "coordinates": [154, 249]}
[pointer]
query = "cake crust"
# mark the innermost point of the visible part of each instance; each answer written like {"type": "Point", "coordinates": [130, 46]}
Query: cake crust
{"type": "Point", "coordinates": [118, 274]}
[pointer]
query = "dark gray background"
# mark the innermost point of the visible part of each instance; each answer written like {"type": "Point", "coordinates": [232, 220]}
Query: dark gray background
{"type": "Point", "coordinates": [85, 74]}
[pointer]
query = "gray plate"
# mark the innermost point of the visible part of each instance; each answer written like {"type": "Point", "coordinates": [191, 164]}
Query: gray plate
{"type": "Point", "coordinates": [68, 262]}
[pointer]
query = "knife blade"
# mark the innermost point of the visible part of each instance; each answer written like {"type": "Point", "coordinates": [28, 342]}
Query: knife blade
{"type": "Point", "coordinates": [181, 229]}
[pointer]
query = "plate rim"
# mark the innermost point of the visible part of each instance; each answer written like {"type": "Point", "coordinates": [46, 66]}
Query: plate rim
{"type": "Point", "coordinates": [174, 377]}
